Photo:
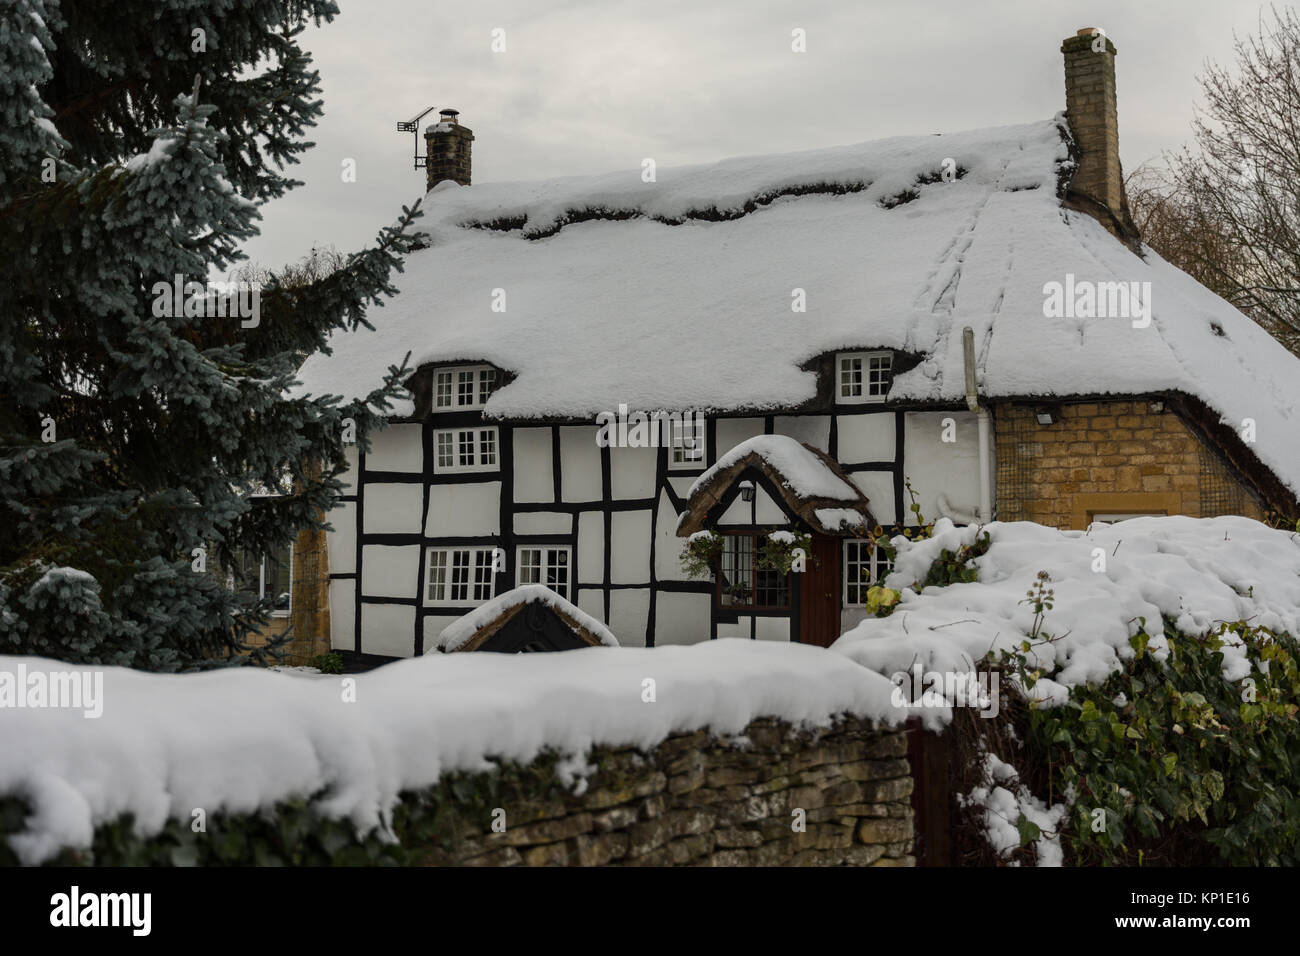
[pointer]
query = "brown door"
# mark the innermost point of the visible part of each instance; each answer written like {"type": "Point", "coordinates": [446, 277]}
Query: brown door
{"type": "Point", "coordinates": [819, 597]}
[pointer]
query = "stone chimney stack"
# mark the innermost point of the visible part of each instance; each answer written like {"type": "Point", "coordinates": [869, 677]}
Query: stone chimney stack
{"type": "Point", "coordinates": [1090, 108]}
{"type": "Point", "coordinates": [448, 145]}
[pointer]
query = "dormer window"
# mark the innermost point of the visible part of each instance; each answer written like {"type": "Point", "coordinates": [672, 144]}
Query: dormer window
{"type": "Point", "coordinates": [463, 387]}
{"type": "Point", "coordinates": [863, 377]}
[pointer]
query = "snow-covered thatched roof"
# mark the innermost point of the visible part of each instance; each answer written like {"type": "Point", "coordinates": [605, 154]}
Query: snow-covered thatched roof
{"type": "Point", "coordinates": [677, 294]}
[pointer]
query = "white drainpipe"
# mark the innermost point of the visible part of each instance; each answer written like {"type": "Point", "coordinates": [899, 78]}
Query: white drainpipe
{"type": "Point", "coordinates": [984, 422]}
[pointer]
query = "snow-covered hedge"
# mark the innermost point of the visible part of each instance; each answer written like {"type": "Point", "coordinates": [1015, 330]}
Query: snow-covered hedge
{"type": "Point", "coordinates": [1150, 668]}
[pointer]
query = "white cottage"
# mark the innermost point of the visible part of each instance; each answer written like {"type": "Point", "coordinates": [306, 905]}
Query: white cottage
{"type": "Point", "coordinates": [883, 313]}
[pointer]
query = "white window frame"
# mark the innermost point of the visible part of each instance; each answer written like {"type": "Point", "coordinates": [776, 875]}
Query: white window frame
{"type": "Point", "coordinates": [475, 561]}
{"type": "Point", "coordinates": [479, 449]}
{"type": "Point", "coordinates": [677, 450]}
{"type": "Point", "coordinates": [879, 568]}
{"type": "Point", "coordinates": [545, 564]}
{"type": "Point", "coordinates": [842, 364]}
{"type": "Point", "coordinates": [447, 384]}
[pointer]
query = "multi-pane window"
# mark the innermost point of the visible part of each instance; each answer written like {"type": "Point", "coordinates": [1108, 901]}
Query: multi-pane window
{"type": "Point", "coordinates": [257, 577]}
{"type": "Point", "coordinates": [459, 576]}
{"type": "Point", "coordinates": [465, 449]}
{"type": "Point", "coordinates": [864, 565]}
{"type": "Point", "coordinates": [741, 583]}
{"type": "Point", "coordinates": [545, 565]}
{"type": "Point", "coordinates": [864, 377]}
{"type": "Point", "coordinates": [686, 447]}
{"type": "Point", "coordinates": [462, 388]}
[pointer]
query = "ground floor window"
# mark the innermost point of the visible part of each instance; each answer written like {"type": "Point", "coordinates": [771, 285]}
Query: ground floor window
{"type": "Point", "coordinates": [547, 565]}
{"type": "Point", "coordinates": [741, 583]}
{"type": "Point", "coordinates": [459, 575]}
{"type": "Point", "coordinates": [258, 577]}
{"type": "Point", "coordinates": [864, 565]}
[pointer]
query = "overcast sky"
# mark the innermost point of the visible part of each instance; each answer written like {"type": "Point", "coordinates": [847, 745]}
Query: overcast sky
{"type": "Point", "coordinates": [586, 87]}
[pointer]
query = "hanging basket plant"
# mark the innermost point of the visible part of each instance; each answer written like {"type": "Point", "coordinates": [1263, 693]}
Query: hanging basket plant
{"type": "Point", "coordinates": [700, 553]}
{"type": "Point", "coordinates": [780, 548]}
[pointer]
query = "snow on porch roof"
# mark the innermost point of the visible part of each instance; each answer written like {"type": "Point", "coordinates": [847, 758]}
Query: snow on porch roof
{"type": "Point", "coordinates": [460, 631]}
{"type": "Point", "coordinates": [812, 484]}
{"type": "Point", "coordinates": [677, 294]}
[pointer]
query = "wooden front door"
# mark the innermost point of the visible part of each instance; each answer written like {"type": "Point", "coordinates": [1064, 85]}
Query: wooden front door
{"type": "Point", "coordinates": [819, 596]}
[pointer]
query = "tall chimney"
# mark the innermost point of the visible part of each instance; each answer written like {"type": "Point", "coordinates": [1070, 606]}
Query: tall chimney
{"type": "Point", "coordinates": [448, 145]}
{"type": "Point", "coordinates": [1098, 184]}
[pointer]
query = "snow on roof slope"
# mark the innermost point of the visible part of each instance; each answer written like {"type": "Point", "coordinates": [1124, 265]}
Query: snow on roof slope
{"type": "Point", "coordinates": [238, 740]}
{"type": "Point", "coordinates": [455, 634]}
{"type": "Point", "coordinates": [1198, 571]}
{"type": "Point", "coordinates": [698, 315]}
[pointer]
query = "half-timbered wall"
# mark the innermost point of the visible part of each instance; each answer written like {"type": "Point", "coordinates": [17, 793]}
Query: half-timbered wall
{"type": "Point", "coordinates": [615, 509]}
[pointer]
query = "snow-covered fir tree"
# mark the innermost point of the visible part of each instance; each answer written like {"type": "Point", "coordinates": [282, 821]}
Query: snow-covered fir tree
{"type": "Point", "coordinates": [137, 141]}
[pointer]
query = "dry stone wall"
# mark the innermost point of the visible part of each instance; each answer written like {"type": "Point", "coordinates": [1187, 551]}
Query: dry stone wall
{"type": "Point", "coordinates": [697, 800]}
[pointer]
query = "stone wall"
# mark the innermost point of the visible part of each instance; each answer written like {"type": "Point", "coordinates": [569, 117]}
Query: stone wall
{"type": "Point", "coordinates": [700, 801]}
{"type": "Point", "coordinates": [1116, 457]}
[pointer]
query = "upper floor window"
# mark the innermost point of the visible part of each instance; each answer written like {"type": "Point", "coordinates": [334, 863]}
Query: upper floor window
{"type": "Point", "coordinates": [864, 565]}
{"type": "Point", "coordinates": [463, 387]}
{"type": "Point", "coordinates": [863, 377]}
{"type": "Point", "coordinates": [686, 444]}
{"type": "Point", "coordinates": [465, 449]}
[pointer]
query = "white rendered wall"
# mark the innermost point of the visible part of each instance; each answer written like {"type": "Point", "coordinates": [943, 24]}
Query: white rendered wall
{"type": "Point", "coordinates": [579, 464]}
{"type": "Point", "coordinates": [471, 509]}
{"type": "Point", "coordinates": [630, 548]}
{"type": "Point", "coordinates": [739, 629]}
{"type": "Point", "coordinates": [867, 437]}
{"type": "Point", "coordinates": [393, 508]}
{"type": "Point", "coordinates": [341, 543]}
{"type": "Point", "coordinates": [629, 612]}
{"type": "Point", "coordinates": [681, 618]}
{"type": "Point", "coordinates": [343, 611]}
{"type": "Point", "coordinates": [772, 628]}
{"type": "Point", "coordinates": [396, 448]}
{"type": "Point", "coordinates": [433, 626]}
{"type": "Point", "coordinates": [542, 522]}
{"type": "Point", "coordinates": [730, 432]}
{"type": "Point", "coordinates": [668, 546]}
{"type": "Point", "coordinates": [632, 472]}
{"type": "Point", "coordinates": [878, 486]}
{"type": "Point", "coordinates": [349, 477]}
{"type": "Point", "coordinates": [812, 430]}
{"type": "Point", "coordinates": [936, 467]}
{"type": "Point", "coordinates": [591, 550]}
{"type": "Point", "coordinates": [388, 629]}
{"type": "Point", "coordinates": [767, 511]}
{"type": "Point", "coordinates": [534, 473]}
{"type": "Point", "coordinates": [592, 601]}
{"type": "Point", "coordinates": [388, 571]}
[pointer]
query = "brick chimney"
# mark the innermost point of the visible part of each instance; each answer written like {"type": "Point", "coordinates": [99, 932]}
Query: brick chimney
{"type": "Point", "coordinates": [1090, 109]}
{"type": "Point", "coordinates": [448, 145]}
